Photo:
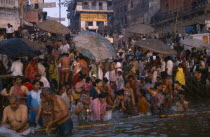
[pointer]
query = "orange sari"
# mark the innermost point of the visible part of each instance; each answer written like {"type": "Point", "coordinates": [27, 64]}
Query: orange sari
{"type": "Point", "coordinates": [31, 70]}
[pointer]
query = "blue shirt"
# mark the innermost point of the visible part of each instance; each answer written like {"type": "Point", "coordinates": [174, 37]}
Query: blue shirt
{"type": "Point", "coordinates": [33, 99]}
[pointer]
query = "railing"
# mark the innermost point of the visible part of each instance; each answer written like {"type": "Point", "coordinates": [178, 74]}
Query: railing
{"type": "Point", "coordinates": [89, 7]}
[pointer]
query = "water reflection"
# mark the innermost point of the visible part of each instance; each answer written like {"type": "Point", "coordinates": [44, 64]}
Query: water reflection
{"type": "Point", "coordinates": [151, 126]}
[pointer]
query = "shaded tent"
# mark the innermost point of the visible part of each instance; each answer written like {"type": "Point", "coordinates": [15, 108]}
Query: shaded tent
{"type": "Point", "coordinates": [156, 46]}
{"type": "Point", "coordinates": [53, 27]}
{"type": "Point", "coordinates": [16, 48]}
{"type": "Point", "coordinates": [196, 43]}
{"type": "Point", "coordinates": [94, 43]}
{"type": "Point", "coordinates": [33, 45]}
{"type": "Point", "coordinates": [140, 29]}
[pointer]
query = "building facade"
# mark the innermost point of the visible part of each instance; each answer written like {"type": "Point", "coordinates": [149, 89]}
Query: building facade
{"type": "Point", "coordinates": [89, 14]}
{"type": "Point", "coordinates": [9, 13]}
{"type": "Point", "coordinates": [184, 16]}
{"type": "Point", "coordinates": [129, 12]}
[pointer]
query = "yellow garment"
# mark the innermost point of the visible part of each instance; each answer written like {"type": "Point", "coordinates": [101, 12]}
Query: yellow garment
{"type": "Point", "coordinates": [54, 69]}
{"type": "Point", "coordinates": [180, 76]}
{"type": "Point", "coordinates": [71, 55]}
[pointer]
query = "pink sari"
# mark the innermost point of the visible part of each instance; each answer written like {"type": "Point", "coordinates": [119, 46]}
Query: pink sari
{"type": "Point", "coordinates": [96, 108]}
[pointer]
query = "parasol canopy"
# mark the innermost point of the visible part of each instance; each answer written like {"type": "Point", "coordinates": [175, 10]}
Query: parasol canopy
{"type": "Point", "coordinates": [53, 27]}
{"type": "Point", "coordinates": [33, 45]}
{"type": "Point", "coordinates": [140, 28]}
{"type": "Point", "coordinates": [86, 53]}
{"type": "Point", "coordinates": [16, 48]}
{"type": "Point", "coordinates": [156, 46]}
{"type": "Point", "coordinates": [94, 43]}
{"type": "Point", "coordinates": [196, 43]}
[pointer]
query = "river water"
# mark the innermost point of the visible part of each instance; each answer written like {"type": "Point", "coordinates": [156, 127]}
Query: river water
{"type": "Point", "coordinates": [150, 126]}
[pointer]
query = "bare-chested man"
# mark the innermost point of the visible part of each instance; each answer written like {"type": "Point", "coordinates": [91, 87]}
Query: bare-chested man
{"type": "Point", "coordinates": [60, 114]}
{"type": "Point", "coordinates": [168, 91]}
{"type": "Point", "coordinates": [65, 72]}
{"type": "Point", "coordinates": [16, 116]}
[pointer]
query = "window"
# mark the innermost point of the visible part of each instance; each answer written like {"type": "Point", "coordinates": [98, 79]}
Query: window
{"type": "Point", "coordinates": [100, 23]}
{"type": "Point", "coordinates": [125, 8]}
{"type": "Point", "coordinates": [125, 20]}
{"type": "Point", "coordinates": [131, 3]}
{"type": "Point", "coordinates": [90, 23]}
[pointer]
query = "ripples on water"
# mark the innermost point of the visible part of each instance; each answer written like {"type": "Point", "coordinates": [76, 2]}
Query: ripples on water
{"type": "Point", "coordinates": [151, 126]}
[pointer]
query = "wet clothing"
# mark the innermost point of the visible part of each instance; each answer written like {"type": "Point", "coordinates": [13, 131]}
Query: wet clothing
{"type": "Point", "coordinates": [157, 103]}
{"type": "Point", "coordinates": [65, 129]}
{"type": "Point", "coordinates": [180, 76]}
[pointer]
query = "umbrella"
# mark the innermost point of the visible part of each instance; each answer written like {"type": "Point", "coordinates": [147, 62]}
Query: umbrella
{"type": "Point", "coordinates": [53, 27]}
{"type": "Point", "coordinates": [156, 46]}
{"type": "Point", "coordinates": [99, 46]}
{"type": "Point", "coordinates": [196, 43]}
{"type": "Point", "coordinates": [86, 53]}
{"type": "Point", "coordinates": [140, 28]}
{"type": "Point", "coordinates": [33, 45]}
{"type": "Point", "coordinates": [15, 48]}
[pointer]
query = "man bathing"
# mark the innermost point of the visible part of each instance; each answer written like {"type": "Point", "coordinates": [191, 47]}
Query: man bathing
{"type": "Point", "coordinates": [17, 116]}
{"type": "Point", "coordinates": [60, 114]}
{"type": "Point", "coordinates": [65, 72]}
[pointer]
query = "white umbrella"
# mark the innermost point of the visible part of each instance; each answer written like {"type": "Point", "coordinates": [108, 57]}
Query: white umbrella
{"type": "Point", "coordinates": [194, 42]}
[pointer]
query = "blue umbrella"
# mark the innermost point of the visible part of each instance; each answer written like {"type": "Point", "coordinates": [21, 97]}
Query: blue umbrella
{"type": "Point", "coordinates": [16, 48]}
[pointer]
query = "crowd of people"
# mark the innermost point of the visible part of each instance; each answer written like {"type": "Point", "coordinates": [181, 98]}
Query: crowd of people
{"type": "Point", "coordinates": [45, 90]}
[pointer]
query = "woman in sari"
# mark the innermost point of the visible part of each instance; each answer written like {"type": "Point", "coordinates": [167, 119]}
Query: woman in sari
{"type": "Point", "coordinates": [129, 98]}
{"type": "Point", "coordinates": [94, 106]}
{"type": "Point", "coordinates": [157, 100]}
{"type": "Point", "coordinates": [53, 71]}
{"type": "Point", "coordinates": [180, 75]}
{"type": "Point", "coordinates": [31, 70]}
{"type": "Point", "coordinates": [19, 90]}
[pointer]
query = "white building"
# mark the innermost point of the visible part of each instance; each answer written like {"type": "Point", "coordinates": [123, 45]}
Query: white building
{"type": "Point", "coordinates": [9, 13]}
{"type": "Point", "coordinates": [90, 13]}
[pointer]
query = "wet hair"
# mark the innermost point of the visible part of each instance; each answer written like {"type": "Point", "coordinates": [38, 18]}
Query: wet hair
{"type": "Point", "coordinates": [147, 80]}
{"type": "Point", "coordinates": [14, 97]}
{"type": "Point", "coordinates": [78, 57]}
{"type": "Point", "coordinates": [27, 80]}
{"type": "Point", "coordinates": [105, 80]}
{"type": "Point", "coordinates": [35, 81]}
{"type": "Point", "coordinates": [157, 84]}
{"type": "Point", "coordinates": [97, 81]}
{"type": "Point", "coordinates": [126, 81]}
{"type": "Point", "coordinates": [87, 79]}
{"type": "Point", "coordinates": [81, 77]}
{"type": "Point", "coordinates": [37, 75]}
{"type": "Point", "coordinates": [18, 77]}
{"type": "Point", "coordinates": [103, 95]}
{"type": "Point", "coordinates": [49, 91]}
{"type": "Point", "coordinates": [120, 92]}
{"type": "Point", "coordinates": [143, 92]}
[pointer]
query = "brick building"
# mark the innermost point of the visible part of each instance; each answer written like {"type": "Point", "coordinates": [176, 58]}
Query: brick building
{"type": "Point", "coordinates": [184, 16]}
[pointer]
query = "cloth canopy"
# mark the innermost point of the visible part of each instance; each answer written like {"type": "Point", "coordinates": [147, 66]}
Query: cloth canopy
{"type": "Point", "coordinates": [53, 27]}
{"type": "Point", "coordinates": [196, 43]}
{"type": "Point", "coordinates": [33, 45]}
{"type": "Point", "coordinates": [140, 28]}
{"type": "Point", "coordinates": [156, 46]}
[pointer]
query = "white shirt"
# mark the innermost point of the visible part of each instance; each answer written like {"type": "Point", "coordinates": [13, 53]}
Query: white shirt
{"type": "Point", "coordinates": [169, 67]}
{"type": "Point", "coordinates": [9, 30]}
{"type": "Point", "coordinates": [17, 68]}
{"type": "Point", "coordinates": [42, 69]}
{"type": "Point", "coordinates": [45, 81]}
{"type": "Point", "coordinates": [163, 66]}
{"type": "Point", "coordinates": [65, 48]}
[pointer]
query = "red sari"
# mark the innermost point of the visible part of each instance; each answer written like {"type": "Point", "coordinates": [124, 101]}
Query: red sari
{"type": "Point", "coordinates": [31, 70]}
{"type": "Point", "coordinates": [20, 93]}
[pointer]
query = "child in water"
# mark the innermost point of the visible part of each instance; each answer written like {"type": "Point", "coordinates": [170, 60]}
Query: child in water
{"type": "Point", "coordinates": [181, 105]}
{"type": "Point", "coordinates": [119, 101]}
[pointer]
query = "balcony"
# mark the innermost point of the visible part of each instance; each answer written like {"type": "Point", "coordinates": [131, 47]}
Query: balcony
{"type": "Point", "coordinates": [161, 17]}
{"type": "Point", "coordinates": [90, 8]}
